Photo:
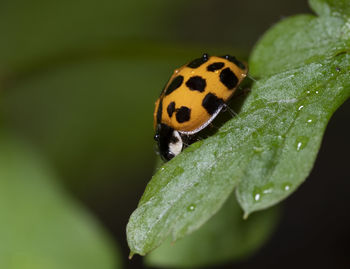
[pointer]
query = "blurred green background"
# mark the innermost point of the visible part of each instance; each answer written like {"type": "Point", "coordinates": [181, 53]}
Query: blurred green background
{"type": "Point", "coordinates": [78, 83]}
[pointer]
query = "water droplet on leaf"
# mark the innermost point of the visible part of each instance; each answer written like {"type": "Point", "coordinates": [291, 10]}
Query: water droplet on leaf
{"type": "Point", "coordinates": [311, 119]}
{"type": "Point", "coordinates": [268, 188]}
{"type": "Point", "coordinates": [286, 186]}
{"type": "Point", "coordinates": [191, 207]}
{"type": "Point", "coordinates": [259, 192]}
{"type": "Point", "coordinates": [301, 142]}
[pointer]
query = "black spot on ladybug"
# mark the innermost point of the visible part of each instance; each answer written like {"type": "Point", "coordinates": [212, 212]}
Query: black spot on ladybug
{"type": "Point", "coordinates": [234, 60]}
{"type": "Point", "coordinates": [215, 66]}
{"type": "Point", "coordinates": [159, 112]}
{"type": "Point", "coordinates": [176, 83]}
{"type": "Point", "coordinates": [198, 62]}
{"type": "Point", "coordinates": [196, 83]}
{"type": "Point", "coordinates": [171, 108]}
{"type": "Point", "coordinates": [212, 103]}
{"type": "Point", "coordinates": [228, 78]}
{"type": "Point", "coordinates": [183, 114]}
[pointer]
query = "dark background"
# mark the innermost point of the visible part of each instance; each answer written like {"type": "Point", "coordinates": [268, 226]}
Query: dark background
{"type": "Point", "coordinates": [60, 80]}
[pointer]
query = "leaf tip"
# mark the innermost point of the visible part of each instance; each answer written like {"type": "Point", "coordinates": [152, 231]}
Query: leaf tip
{"type": "Point", "coordinates": [131, 255]}
{"type": "Point", "coordinates": [246, 215]}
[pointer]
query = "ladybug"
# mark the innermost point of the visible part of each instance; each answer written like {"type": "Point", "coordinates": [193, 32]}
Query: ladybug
{"type": "Point", "coordinates": [192, 98]}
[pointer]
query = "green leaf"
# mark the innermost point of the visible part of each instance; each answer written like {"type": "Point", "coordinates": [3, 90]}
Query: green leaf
{"type": "Point", "coordinates": [301, 40]}
{"type": "Point", "coordinates": [269, 149]}
{"type": "Point", "coordinates": [309, 86]}
{"type": "Point", "coordinates": [225, 237]}
{"type": "Point", "coordinates": [331, 7]}
{"type": "Point", "coordinates": [285, 145]}
{"type": "Point", "coordinates": [41, 227]}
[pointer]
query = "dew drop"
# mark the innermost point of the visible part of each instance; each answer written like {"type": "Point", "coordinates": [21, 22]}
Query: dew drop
{"type": "Point", "coordinates": [267, 191]}
{"type": "Point", "coordinates": [268, 188]}
{"type": "Point", "coordinates": [258, 193]}
{"type": "Point", "coordinates": [311, 119]}
{"type": "Point", "coordinates": [257, 197]}
{"type": "Point", "coordinates": [191, 207]}
{"type": "Point", "coordinates": [299, 146]}
{"type": "Point", "coordinates": [301, 142]}
{"type": "Point", "coordinates": [286, 186]}
{"type": "Point", "coordinates": [316, 92]}
{"type": "Point", "coordinates": [300, 108]}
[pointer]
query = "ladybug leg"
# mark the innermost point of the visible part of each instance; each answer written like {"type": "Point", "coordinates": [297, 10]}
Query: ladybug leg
{"type": "Point", "coordinates": [185, 140]}
{"type": "Point", "coordinates": [230, 110]}
{"type": "Point", "coordinates": [242, 92]}
{"type": "Point", "coordinates": [213, 126]}
{"type": "Point", "coordinates": [253, 79]}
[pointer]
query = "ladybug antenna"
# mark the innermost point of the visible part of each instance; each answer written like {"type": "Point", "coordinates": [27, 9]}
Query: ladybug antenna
{"type": "Point", "coordinates": [205, 56]}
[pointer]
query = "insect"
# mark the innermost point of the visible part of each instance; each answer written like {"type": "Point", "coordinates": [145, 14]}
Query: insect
{"type": "Point", "coordinates": [194, 95]}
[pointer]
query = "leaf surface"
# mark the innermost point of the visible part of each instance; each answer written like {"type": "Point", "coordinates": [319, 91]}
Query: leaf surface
{"type": "Point", "coordinates": [225, 237]}
{"type": "Point", "coordinates": [267, 151]}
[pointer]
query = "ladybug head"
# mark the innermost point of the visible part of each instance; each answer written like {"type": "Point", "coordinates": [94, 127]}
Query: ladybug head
{"type": "Point", "coordinates": [169, 141]}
